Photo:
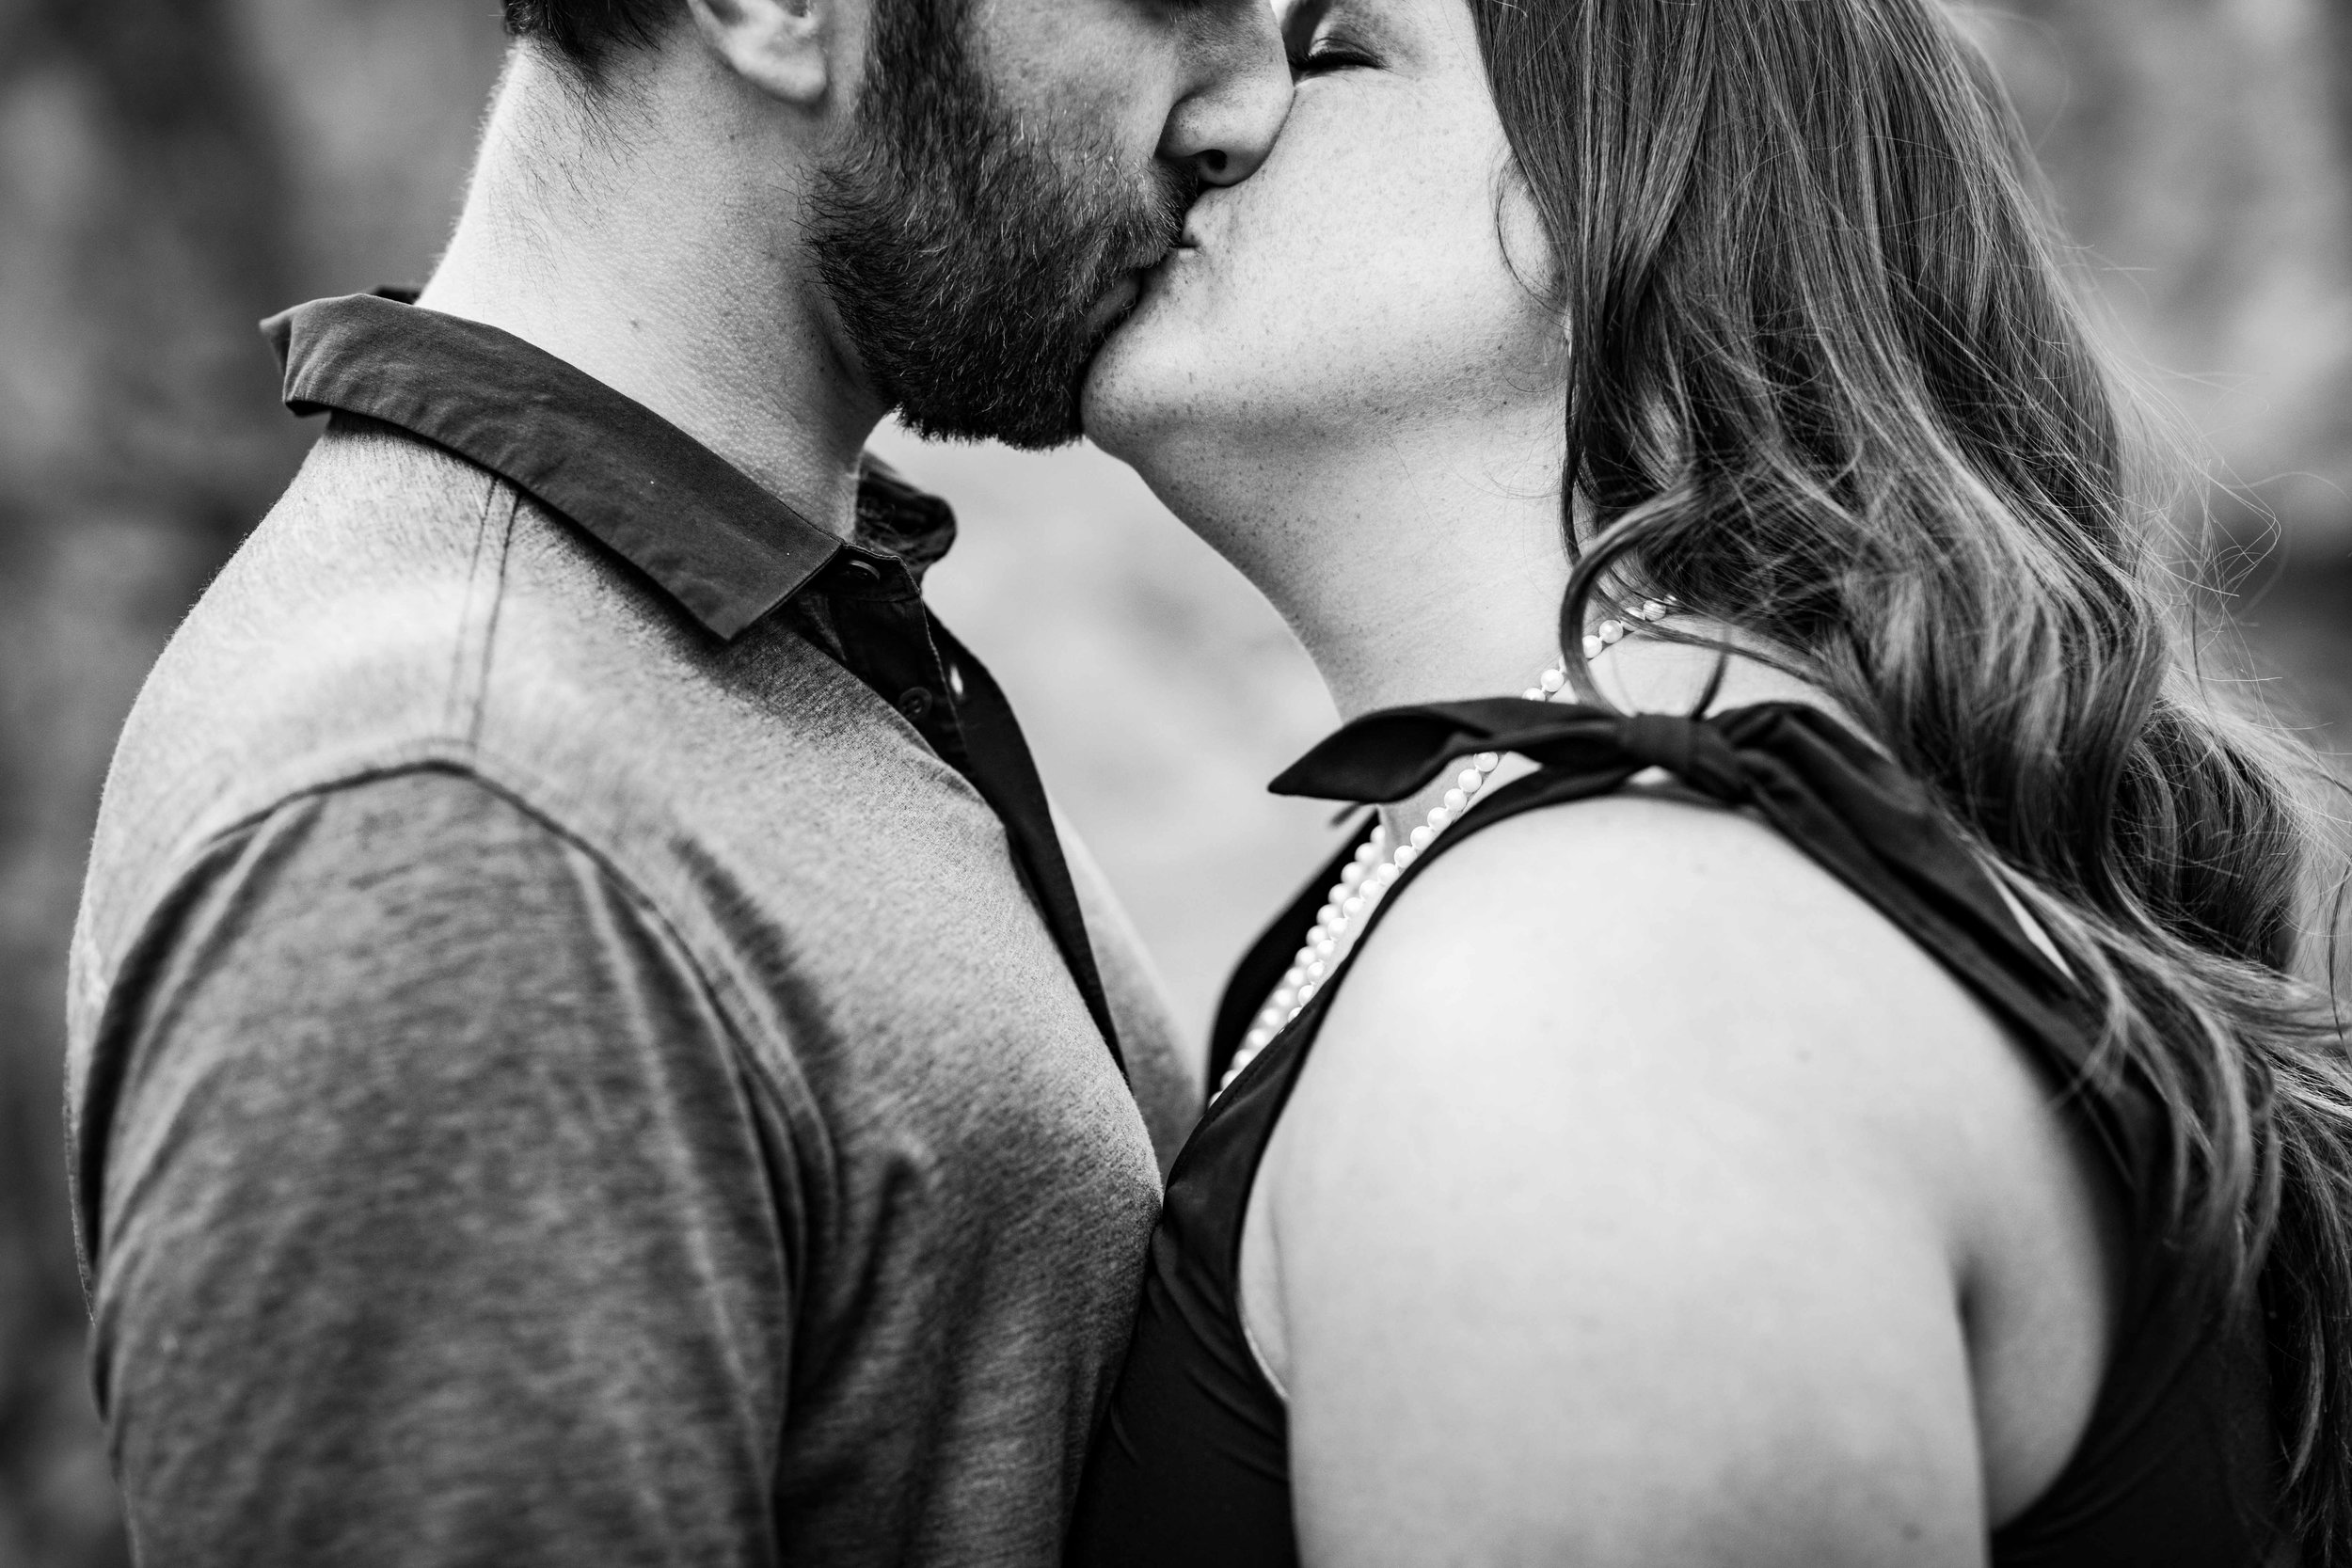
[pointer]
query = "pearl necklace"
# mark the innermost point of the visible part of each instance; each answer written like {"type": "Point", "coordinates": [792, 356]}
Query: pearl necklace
{"type": "Point", "coordinates": [1376, 866]}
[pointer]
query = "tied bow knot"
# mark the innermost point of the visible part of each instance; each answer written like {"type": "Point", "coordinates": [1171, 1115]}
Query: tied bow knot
{"type": "Point", "coordinates": [1692, 750]}
{"type": "Point", "coordinates": [1391, 754]}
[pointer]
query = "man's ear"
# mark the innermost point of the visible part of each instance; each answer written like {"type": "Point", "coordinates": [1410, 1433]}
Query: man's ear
{"type": "Point", "coordinates": [798, 50]}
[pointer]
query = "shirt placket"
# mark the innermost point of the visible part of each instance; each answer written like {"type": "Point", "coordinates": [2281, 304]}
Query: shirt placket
{"type": "Point", "coordinates": [874, 611]}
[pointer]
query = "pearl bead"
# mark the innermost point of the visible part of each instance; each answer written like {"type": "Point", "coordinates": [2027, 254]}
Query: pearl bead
{"type": "Point", "coordinates": [1612, 631]}
{"type": "Point", "coordinates": [1653, 611]}
{"type": "Point", "coordinates": [1372, 870]}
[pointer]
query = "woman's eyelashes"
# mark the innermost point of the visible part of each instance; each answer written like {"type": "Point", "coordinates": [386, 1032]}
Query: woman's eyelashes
{"type": "Point", "coordinates": [1327, 55]}
{"type": "Point", "coordinates": [1320, 37]}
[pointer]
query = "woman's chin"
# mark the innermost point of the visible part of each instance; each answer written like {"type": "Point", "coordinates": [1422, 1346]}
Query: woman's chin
{"type": "Point", "coordinates": [1134, 397]}
{"type": "Point", "coordinates": [1186, 396]}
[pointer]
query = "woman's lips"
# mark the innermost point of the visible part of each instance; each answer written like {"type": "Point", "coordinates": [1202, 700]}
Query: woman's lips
{"type": "Point", "coordinates": [1182, 251]}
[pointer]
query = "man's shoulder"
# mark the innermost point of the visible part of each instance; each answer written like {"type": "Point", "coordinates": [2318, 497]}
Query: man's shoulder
{"type": "Point", "coordinates": [400, 604]}
{"type": "Point", "coordinates": [323, 647]}
{"type": "Point", "coordinates": [402, 607]}
{"type": "Point", "coordinates": [364, 463]}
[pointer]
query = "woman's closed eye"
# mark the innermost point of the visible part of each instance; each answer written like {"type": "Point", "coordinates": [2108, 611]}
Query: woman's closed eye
{"type": "Point", "coordinates": [1328, 55]}
{"type": "Point", "coordinates": [1319, 41]}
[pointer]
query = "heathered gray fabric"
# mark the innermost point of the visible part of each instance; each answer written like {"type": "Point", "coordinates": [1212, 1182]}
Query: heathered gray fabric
{"type": "Point", "coordinates": [547, 1086]}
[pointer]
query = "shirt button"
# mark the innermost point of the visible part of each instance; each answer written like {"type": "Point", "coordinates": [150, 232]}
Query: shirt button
{"type": "Point", "coordinates": [915, 703]}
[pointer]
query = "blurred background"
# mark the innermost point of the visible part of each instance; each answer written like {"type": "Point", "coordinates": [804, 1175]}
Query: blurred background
{"type": "Point", "coordinates": [171, 170]}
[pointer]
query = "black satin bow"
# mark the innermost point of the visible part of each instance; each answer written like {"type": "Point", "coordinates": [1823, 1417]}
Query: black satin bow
{"type": "Point", "coordinates": [1390, 754]}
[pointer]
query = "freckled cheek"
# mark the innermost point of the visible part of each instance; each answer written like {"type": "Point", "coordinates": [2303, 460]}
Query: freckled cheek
{"type": "Point", "coordinates": [1365, 244]}
{"type": "Point", "coordinates": [1311, 226]}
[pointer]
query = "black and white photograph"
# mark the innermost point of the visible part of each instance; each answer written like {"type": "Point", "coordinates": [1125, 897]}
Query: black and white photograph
{"type": "Point", "coordinates": [1176, 784]}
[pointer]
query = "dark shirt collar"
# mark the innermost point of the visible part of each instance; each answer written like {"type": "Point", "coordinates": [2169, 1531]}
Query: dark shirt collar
{"type": "Point", "coordinates": [723, 547]}
{"type": "Point", "coordinates": [726, 550]}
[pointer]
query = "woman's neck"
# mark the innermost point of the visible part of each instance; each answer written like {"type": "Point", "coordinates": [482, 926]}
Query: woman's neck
{"type": "Point", "coordinates": [1433, 573]}
{"type": "Point", "coordinates": [1417, 573]}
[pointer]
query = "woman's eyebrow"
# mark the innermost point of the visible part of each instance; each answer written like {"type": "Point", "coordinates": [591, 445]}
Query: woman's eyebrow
{"type": "Point", "coordinates": [1302, 19]}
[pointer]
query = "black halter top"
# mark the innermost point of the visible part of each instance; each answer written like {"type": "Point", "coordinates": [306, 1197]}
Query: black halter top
{"type": "Point", "coordinates": [1189, 1467]}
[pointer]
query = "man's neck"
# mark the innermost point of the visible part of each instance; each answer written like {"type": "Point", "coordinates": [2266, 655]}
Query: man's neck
{"type": "Point", "coordinates": [645, 252]}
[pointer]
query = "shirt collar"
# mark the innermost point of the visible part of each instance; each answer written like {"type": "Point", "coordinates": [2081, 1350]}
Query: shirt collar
{"type": "Point", "coordinates": [725, 549]}
{"type": "Point", "coordinates": [896, 518]}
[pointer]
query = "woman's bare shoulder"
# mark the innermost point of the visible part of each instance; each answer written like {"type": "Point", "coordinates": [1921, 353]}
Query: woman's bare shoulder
{"type": "Point", "coordinates": [1589, 1162]}
{"type": "Point", "coordinates": [1694, 1059]}
{"type": "Point", "coordinates": [1646, 917]}
{"type": "Point", "coordinates": [1657, 982]}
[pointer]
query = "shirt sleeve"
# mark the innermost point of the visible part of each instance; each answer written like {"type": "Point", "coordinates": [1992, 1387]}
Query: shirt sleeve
{"type": "Point", "coordinates": [440, 1225]}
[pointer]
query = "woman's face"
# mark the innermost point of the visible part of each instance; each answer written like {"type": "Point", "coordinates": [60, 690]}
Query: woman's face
{"type": "Point", "coordinates": [1378, 272]}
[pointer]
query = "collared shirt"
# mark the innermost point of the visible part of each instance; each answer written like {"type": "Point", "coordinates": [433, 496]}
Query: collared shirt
{"type": "Point", "coordinates": [584, 1044]}
{"type": "Point", "coordinates": [729, 552]}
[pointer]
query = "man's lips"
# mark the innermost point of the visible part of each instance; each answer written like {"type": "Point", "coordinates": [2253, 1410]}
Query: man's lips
{"type": "Point", "coordinates": [1116, 299]}
{"type": "Point", "coordinates": [1123, 295]}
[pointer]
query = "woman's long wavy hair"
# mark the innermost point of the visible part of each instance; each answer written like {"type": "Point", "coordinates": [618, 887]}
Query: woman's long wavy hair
{"type": "Point", "coordinates": [1830, 387]}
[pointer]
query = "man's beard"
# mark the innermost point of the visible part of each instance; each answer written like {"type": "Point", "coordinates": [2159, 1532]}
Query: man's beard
{"type": "Point", "coordinates": [964, 252]}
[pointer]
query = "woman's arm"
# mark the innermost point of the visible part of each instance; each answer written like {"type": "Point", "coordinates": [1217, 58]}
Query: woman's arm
{"type": "Point", "coordinates": [1630, 1212]}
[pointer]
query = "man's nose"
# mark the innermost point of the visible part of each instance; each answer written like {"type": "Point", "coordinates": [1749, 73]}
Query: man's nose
{"type": "Point", "coordinates": [1238, 91]}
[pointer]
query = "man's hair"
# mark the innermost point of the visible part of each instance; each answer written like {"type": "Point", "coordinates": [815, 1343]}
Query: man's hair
{"type": "Point", "coordinates": [589, 33]}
